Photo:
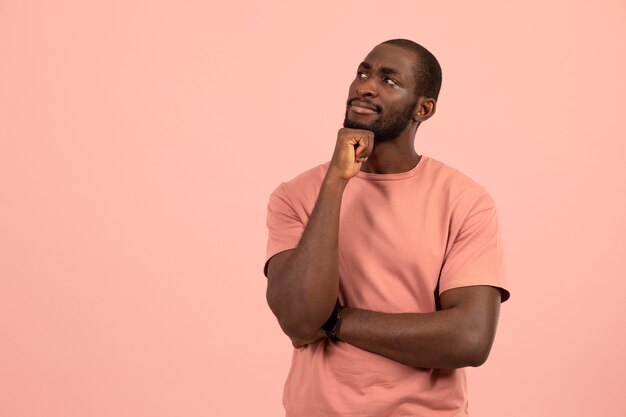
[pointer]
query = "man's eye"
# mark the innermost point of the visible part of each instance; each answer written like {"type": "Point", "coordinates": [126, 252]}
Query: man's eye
{"type": "Point", "coordinates": [390, 81]}
{"type": "Point", "coordinates": [361, 75]}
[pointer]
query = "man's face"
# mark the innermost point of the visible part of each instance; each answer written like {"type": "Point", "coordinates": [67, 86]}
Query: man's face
{"type": "Point", "coordinates": [381, 97]}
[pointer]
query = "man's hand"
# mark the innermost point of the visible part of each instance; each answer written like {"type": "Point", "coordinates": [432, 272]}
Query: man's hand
{"type": "Point", "coordinates": [298, 343]}
{"type": "Point", "coordinates": [353, 147]}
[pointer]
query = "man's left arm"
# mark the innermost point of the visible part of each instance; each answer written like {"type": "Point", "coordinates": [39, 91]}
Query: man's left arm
{"type": "Point", "coordinates": [458, 335]}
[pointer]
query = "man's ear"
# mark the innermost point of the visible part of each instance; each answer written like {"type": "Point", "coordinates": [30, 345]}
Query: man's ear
{"type": "Point", "coordinates": [425, 109]}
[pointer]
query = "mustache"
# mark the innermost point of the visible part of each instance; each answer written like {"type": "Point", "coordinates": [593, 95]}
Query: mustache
{"type": "Point", "coordinates": [378, 108]}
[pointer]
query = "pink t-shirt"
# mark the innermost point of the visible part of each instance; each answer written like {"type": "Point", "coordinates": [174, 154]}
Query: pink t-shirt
{"type": "Point", "coordinates": [402, 238]}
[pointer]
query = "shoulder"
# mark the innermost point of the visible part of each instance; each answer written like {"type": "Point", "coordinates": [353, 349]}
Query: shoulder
{"type": "Point", "coordinates": [459, 189]}
{"type": "Point", "coordinates": [301, 191]}
{"type": "Point", "coordinates": [312, 176]}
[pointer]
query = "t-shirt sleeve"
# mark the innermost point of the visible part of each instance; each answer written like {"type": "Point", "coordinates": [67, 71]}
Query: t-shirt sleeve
{"type": "Point", "coordinates": [283, 224]}
{"type": "Point", "coordinates": [476, 256]}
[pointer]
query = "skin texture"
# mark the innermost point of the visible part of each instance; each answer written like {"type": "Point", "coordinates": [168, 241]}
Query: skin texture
{"type": "Point", "coordinates": [303, 283]}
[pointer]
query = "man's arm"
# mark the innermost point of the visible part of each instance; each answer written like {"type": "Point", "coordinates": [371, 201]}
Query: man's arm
{"type": "Point", "coordinates": [459, 335]}
{"type": "Point", "coordinates": [303, 284]}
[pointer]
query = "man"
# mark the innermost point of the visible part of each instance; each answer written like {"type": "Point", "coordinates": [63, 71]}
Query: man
{"type": "Point", "coordinates": [384, 266]}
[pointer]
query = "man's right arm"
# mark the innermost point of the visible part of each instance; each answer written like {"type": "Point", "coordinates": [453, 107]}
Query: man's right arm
{"type": "Point", "coordinates": [303, 283]}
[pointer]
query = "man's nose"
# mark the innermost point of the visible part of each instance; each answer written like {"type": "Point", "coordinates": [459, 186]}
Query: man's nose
{"type": "Point", "coordinates": [366, 88]}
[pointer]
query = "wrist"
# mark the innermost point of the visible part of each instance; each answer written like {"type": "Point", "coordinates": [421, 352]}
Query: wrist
{"type": "Point", "coordinates": [335, 180]}
{"type": "Point", "coordinates": [333, 324]}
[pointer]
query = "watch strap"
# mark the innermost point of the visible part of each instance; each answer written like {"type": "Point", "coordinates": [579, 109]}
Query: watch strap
{"type": "Point", "coordinates": [331, 327]}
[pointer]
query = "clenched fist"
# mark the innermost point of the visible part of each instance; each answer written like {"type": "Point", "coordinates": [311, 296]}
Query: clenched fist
{"type": "Point", "coordinates": [353, 147]}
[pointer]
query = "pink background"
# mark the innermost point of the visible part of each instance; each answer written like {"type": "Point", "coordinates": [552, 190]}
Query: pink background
{"type": "Point", "coordinates": [139, 142]}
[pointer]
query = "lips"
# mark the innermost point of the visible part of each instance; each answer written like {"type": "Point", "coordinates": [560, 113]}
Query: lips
{"type": "Point", "coordinates": [363, 107]}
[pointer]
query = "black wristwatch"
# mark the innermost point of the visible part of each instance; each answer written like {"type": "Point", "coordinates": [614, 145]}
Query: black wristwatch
{"type": "Point", "coordinates": [331, 327]}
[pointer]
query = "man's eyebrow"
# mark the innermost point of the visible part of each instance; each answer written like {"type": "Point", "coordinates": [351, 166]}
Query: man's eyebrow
{"type": "Point", "coordinates": [384, 70]}
{"type": "Point", "coordinates": [389, 71]}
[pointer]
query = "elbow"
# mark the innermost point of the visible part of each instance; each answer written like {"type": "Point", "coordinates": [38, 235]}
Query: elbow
{"type": "Point", "coordinates": [292, 322]}
{"type": "Point", "coordinates": [478, 357]}
{"type": "Point", "coordinates": [297, 326]}
{"type": "Point", "coordinates": [477, 348]}
{"type": "Point", "coordinates": [297, 330]}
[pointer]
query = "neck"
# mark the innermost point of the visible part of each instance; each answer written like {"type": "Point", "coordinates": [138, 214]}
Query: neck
{"type": "Point", "coordinates": [391, 158]}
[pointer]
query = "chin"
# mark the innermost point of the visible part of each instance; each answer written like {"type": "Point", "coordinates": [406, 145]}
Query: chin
{"type": "Point", "coordinates": [353, 124]}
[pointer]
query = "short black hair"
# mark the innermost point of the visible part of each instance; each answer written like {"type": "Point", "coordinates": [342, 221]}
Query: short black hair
{"type": "Point", "coordinates": [427, 70]}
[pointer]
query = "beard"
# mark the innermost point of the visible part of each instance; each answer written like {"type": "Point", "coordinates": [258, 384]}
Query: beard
{"type": "Point", "coordinates": [384, 129]}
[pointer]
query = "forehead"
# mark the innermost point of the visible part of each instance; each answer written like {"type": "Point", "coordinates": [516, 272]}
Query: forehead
{"type": "Point", "coordinates": [391, 56]}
